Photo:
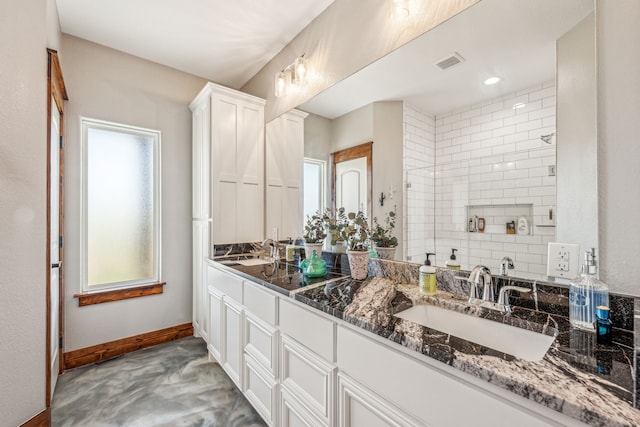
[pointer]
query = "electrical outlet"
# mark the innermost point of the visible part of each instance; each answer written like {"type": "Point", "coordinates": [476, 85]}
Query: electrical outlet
{"type": "Point", "coordinates": [562, 260]}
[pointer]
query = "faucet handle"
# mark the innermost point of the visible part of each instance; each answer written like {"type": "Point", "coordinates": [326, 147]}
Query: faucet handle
{"type": "Point", "coordinates": [503, 298]}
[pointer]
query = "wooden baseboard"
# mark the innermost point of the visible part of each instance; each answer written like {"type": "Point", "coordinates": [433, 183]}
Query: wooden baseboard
{"type": "Point", "coordinates": [43, 419]}
{"type": "Point", "coordinates": [101, 352]}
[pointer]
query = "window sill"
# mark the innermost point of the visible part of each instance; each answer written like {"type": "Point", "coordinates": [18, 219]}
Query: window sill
{"type": "Point", "coordinates": [119, 294]}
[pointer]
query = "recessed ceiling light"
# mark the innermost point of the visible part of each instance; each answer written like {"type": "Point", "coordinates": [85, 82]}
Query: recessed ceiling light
{"type": "Point", "coordinates": [491, 81]}
{"type": "Point", "coordinates": [518, 105]}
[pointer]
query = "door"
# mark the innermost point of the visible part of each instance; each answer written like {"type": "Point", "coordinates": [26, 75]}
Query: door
{"type": "Point", "coordinates": [351, 185]}
{"type": "Point", "coordinates": [55, 214]}
{"type": "Point", "coordinates": [54, 245]}
{"type": "Point", "coordinates": [351, 178]}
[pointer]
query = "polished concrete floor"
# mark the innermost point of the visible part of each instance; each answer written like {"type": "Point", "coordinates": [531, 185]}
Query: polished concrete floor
{"type": "Point", "coordinates": [172, 384]}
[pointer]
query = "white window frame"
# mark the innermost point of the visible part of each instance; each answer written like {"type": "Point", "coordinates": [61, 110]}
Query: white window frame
{"type": "Point", "coordinates": [86, 124]}
{"type": "Point", "coordinates": [323, 180]}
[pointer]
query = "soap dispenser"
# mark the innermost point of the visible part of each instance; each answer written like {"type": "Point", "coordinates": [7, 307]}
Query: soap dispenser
{"type": "Point", "coordinates": [586, 293]}
{"type": "Point", "coordinates": [427, 277]}
{"type": "Point", "coordinates": [453, 263]}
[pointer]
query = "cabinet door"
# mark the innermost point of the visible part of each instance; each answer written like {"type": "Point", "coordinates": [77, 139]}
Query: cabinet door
{"type": "Point", "coordinates": [360, 407]}
{"type": "Point", "coordinates": [216, 327]}
{"type": "Point", "coordinates": [260, 388]}
{"type": "Point", "coordinates": [294, 414]}
{"type": "Point", "coordinates": [292, 149]}
{"type": "Point", "coordinates": [308, 377]}
{"type": "Point", "coordinates": [261, 342]}
{"type": "Point", "coordinates": [200, 297]}
{"type": "Point", "coordinates": [292, 212]}
{"type": "Point", "coordinates": [232, 340]}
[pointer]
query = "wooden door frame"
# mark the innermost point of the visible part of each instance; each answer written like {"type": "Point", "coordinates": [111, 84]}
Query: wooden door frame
{"type": "Point", "coordinates": [362, 150]}
{"type": "Point", "coordinates": [56, 90]}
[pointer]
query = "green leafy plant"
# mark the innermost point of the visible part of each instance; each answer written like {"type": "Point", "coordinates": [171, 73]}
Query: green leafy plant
{"type": "Point", "coordinates": [334, 224]}
{"type": "Point", "coordinates": [381, 235]}
{"type": "Point", "coordinates": [314, 229]}
{"type": "Point", "coordinates": [356, 233]}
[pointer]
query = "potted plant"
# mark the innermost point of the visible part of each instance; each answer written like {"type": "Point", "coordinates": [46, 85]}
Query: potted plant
{"type": "Point", "coordinates": [314, 234]}
{"type": "Point", "coordinates": [356, 234]}
{"type": "Point", "coordinates": [381, 235]}
{"type": "Point", "coordinates": [334, 224]}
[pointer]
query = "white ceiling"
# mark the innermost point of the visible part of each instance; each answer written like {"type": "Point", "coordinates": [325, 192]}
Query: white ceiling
{"type": "Point", "coordinates": [225, 41]}
{"type": "Point", "coordinates": [512, 39]}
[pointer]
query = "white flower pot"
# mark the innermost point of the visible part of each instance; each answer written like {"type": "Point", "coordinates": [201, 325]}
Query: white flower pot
{"type": "Point", "coordinates": [385, 253]}
{"type": "Point", "coordinates": [358, 264]}
{"type": "Point", "coordinates": [310, 247]}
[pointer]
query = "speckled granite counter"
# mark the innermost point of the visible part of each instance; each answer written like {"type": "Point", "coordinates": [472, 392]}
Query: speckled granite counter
{"type": "Point", "coordinates": [592, 383]}
{"type": "Point", "coordinates": [586, 381]}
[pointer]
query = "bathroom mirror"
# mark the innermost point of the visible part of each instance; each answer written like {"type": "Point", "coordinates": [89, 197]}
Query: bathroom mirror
{"type": "Point", "coordinates": [466, 151]}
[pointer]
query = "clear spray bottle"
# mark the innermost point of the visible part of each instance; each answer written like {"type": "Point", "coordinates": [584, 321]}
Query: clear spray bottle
{"type": "Point", "coordinates": [586, 293]}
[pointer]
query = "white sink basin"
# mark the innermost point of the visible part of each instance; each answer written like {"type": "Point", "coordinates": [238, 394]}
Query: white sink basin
{"type": "Point", "coordinates": [518, 342]}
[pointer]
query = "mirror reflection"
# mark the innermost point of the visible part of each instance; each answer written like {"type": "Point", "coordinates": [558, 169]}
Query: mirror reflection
{"type": "Point", "coordinates": [490, 170]}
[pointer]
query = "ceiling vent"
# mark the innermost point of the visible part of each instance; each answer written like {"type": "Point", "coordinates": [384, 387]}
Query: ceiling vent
{"type": "Point", "coordinates": [450, 61]}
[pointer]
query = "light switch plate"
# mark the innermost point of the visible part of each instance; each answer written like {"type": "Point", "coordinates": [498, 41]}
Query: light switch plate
{"type": "Point", "coordinates": [563, 260]}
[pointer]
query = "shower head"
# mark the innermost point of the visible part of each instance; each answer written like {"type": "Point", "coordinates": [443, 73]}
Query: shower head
{"type": "Point", "coordinates": [548, 138]}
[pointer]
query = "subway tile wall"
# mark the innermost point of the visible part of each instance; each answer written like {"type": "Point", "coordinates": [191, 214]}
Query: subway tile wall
{"type": "Point", "coordinates": [419, 160]}
{"type": "Point", "coordinates": [489, 161]}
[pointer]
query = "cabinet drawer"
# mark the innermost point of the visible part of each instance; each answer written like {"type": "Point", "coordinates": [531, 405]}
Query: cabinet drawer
{"type": "Point", "coordinates": [260, 303]}
{"type": "Point", "coordinates": [261, 342]}
{"type": "Point", "coordinates": [308, 377]}
{"type": "Point", "coordinates": [261, 389]}
{"type": "Point", "coordinates": [225, 283]}
{"type": "Point", "coordinates": [308, 328]}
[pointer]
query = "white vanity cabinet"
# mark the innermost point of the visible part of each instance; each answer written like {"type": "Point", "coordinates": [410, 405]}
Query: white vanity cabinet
{"type": "Point", "coordinates": [284, 151]}
{"type": "Point", "coordinates": [243, 338]}
{"type": "Point", "coordinates": [301, 367]}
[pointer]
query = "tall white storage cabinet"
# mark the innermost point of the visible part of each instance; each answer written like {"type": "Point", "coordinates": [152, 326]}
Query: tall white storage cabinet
{"type": "Point", "coordinates": [228, 180]}
{"type": "Point", "coordinates": [285, 162]}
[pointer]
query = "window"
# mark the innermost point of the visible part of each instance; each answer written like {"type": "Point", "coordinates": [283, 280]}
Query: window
{"type": "Point", "coordinates": [120, 205]}
{"type": "Point", "coordinates": [315, 178]}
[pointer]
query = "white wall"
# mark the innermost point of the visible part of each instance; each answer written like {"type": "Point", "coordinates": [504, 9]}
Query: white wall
{"type": "Point", "coordinates": [618, 68]}
{"type": "Point", "coordinates": [24, 34]}
{"type": "Point", "coordinates": [352, 129]}
{"type": "Point", "coordinates": [106, 84]}
{"type": "Point", "coordinates": [576, 133]}
{"type": "Point", "coordinates": [387, 164]}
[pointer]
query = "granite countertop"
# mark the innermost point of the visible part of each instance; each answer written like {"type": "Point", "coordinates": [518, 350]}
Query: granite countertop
{"type": "Point", "coordinates": [577, 377]}
{"type": "Point", "coordinates": [584, 380]}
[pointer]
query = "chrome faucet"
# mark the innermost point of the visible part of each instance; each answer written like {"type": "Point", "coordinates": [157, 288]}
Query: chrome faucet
{"type": "Point", "coordinates": [274, 251]}
{"type": "Point", "coordinates": [505, 265]}
{"type": "Point", "coordinates": [503, 298]}
{"type": "Point", "coordinates": [481, 273]}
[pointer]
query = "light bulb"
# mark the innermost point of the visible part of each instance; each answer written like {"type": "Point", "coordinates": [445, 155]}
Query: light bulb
{"type": "Point", "coordinates": [280, 84]}
{"type": "Point", "coordinates": [401, 8]}
{"type": "Point", "coordinates": [491, 81]}
{"type": "Point", "coordinates": [299, 76]}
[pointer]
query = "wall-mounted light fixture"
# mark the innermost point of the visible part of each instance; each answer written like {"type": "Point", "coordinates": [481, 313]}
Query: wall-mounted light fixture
{"type": "Point", "coordinates": [400, 8]}
{"type": "Point", "coordinates": [294, 74]}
